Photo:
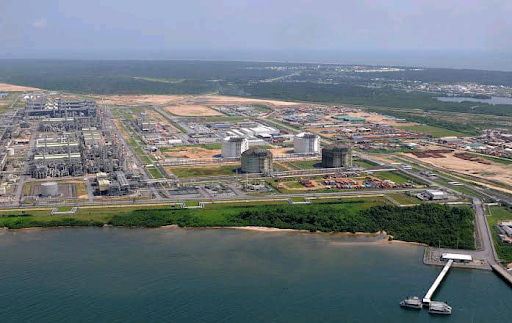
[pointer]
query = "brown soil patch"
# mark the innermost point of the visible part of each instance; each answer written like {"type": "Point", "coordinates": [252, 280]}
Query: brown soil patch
{"type": "Point", "coordinates": [136, 100]}
{"type": "Point", "coordinates": [192, 111]}
{"type": "Point", "coordinates": [494, 171]}
{"type": "Point", "coordinates": [220, 100]}
{"type": "Point", "coordinates": [16, 88]}
{"type": "Point", "coordinates": [378, 118]}
{"type": "Point", "coordinates": [193, 153]}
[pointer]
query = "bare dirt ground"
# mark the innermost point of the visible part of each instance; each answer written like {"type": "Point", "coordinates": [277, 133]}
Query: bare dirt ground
{"type": "Point", "coordinates": [192, 111]}
{"type": "Point", "coordinates": [16, 88]}
{"type": "Point", "coordinates": [193, 153]}
{"type": "Point", "coordinates": [220, 100]}
{"type": "Point", "coordinates": [281, 151]}
{"type": "Point", "coordinates": [377, 118]}
{"type": "Point", "coordinates": [495, 172]}
{"type": "Point", "coordinates": [136, 100]}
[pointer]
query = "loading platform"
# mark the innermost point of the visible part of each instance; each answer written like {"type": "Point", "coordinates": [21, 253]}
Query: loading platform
{"type": "Point", "coordinates": [428, 297]}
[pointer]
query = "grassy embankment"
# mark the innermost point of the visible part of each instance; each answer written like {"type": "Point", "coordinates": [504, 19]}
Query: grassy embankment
{"type": "Point", "coordinates": [183, 172]}
{"type": "Point", "coordinates": [425, 223]}
{"type": "Point", "coordinates": [498, 214]}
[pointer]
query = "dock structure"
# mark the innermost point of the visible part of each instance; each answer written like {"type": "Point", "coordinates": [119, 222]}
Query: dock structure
{"type": "Point", "coordinates": [437, 282]}
{"type": "Point", "coordinates": [502, 273]}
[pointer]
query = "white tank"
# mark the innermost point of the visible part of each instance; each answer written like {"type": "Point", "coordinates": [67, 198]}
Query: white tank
{"type": "Point", "coordinates": [10, 151]}
{"type": "Point", "coordinates": [233, 147]}
{"type": "Point", "coordinates": [50, 189]}
{"type": "Point", "coordinates": [306, 143]}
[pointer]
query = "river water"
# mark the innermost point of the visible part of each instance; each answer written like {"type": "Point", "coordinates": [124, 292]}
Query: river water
{"type": "Point", "coordinates": [493, 100]}
{"type": "Point", "coordinates": [214, 275]}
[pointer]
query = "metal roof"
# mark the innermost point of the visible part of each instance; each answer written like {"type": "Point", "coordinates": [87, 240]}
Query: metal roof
{"type": "Point", "coordinates": [457, 256]}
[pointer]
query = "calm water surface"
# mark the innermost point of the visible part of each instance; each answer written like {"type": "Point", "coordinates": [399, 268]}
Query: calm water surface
{"type": "Point", "coordinates": [493, 100]}
{"type": "Point", "coordinates": [175, 275]}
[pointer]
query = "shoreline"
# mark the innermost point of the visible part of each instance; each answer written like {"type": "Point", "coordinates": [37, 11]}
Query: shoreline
{"type": "Point", "coordinates": [384, 240]}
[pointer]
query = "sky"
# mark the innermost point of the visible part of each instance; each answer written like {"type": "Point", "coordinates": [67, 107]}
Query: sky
{"type": "Point", "coordinates": [255, 29]}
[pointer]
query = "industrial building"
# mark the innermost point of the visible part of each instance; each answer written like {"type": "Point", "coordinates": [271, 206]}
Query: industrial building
{"type": "Point", "coordinates": [337, 155]}
{"type": "Point", "coordinates": [257, 160]}
{"type": "Point", "coordinates": [60, 108]}
{"type": "Point", "coordinates": [435, 195]}
{"type": "Point", "coordinates": [233, 147]}
{"type": "Point", "coordinates": [306, 143]}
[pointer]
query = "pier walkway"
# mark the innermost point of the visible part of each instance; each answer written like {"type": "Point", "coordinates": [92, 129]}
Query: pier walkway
{"type": "Point", "coordinates": [437, 282]}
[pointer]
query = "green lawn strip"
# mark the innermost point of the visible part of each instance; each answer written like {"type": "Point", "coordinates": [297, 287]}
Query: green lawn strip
{"type": "Point", "coordinates": [393, 176]}
{"type": "Point", "coordinates": [307, 164]}
{"type": "Point", "coordinates": [155, 172]}
{"type": "Point", "coordinates": [364, 163]}
{"type": "Point", "coordinates": [433, 131]}
{"type": "Point", "coordinates": [204, 171]}
{"type": "Point", "coordinates": [404, 199]}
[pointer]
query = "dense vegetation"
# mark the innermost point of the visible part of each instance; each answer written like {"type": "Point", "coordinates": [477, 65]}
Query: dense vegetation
{"type": "Point", "coordinates": [130, 77]}
{"type": "Point", "coordinates": [429, 223]}
{"type": "Point", "coordinates": [64, 222]}
{"type": "Point", "coordinates": [358, 95]}
{"type": "Point", "coordinates": [315, 83]}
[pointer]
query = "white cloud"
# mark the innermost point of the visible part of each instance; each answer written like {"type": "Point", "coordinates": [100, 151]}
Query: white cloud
{"type": "Point", "coordinates": [40, 23]}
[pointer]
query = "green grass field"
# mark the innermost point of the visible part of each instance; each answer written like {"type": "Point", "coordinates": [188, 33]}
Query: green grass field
{"type": "Point", "coordinates": [404, 199]}
{"type": "Point", "coordinates": [204, 171]}
{"type": "Point", "coordinates": [498, 214]}
{"type": "Point", "coordinates": [393, 176]}
{"type": "Point", "coordinates": [155, 172]}
{"type": "Point", "coordinates": [364, 163]}
{"type": "Point", "coordinates": [433, 131]}
{"type": "Point", "coordinates": [306, 164]}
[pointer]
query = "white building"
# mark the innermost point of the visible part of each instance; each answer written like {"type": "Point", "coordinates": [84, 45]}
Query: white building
{"type": "Point", "coordinates": [436, 195]}
{"type": "Point", "coordinates": [233, 147]}
{"type": "Point", "coordinates": [306, 143]}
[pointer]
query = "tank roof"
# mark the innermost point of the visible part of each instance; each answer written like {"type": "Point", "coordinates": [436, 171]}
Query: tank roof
{"type": "Point", "coordinates": [256, 151]}
{"type": "Point", "coordinates": [337, 147]}
{"type": "Point", "coordinates": [307, 135]}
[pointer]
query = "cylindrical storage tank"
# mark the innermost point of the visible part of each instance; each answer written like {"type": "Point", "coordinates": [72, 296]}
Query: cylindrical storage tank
{"type": "Point", "coordinates": [233, 147]}
{"type": "Point", "coordinates": [10, 151]}
{"type": "Point", "coordinates": [306, 143]}
{"type": "Point", "coordinates": [50, 189]}
{"type": "Point", "coordinates": [337, 155]}
{"type": "Point", "coordinates": [257, 160]}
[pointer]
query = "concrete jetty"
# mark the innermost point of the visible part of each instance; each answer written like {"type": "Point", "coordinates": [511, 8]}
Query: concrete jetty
{"type": "Point", "coordinates": [502, 273]}
{"type": "Point", "coordinates": [428, 297]}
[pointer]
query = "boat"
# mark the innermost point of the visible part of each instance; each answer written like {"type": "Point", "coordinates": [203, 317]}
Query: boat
{"type": "Point", "coordinates": [412, 302]}
{"type": "Point", "coordinates": [439, 308]}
